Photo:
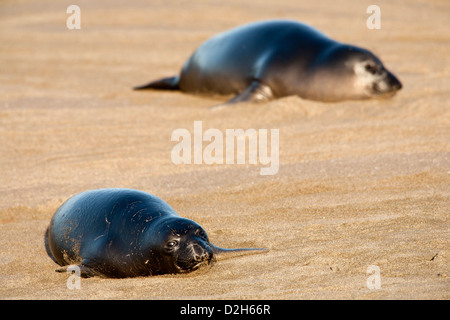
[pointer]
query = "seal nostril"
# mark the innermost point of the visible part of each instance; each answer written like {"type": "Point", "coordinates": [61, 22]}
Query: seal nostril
{"type": "Point", "coordinates": [394, 82]}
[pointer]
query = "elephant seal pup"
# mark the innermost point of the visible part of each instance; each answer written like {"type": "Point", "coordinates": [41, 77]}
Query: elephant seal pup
{"type": "Point", "coordinates": [126, 233]}
{"type": "Point", "coordinates": [271, 59]}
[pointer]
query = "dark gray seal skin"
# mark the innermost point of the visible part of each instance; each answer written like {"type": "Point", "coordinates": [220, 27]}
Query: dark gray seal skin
{"type": "Point", "coordinates": [271, 59]}
{"type": "Point", "coordinates": [121, 233]}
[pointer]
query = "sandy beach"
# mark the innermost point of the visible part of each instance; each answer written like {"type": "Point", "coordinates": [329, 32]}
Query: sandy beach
{"type": "Point", "coordinates": [360, 183]}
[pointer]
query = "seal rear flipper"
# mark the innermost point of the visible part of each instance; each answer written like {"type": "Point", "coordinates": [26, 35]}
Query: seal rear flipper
{"type": "Point", "coordinates": [170, 83]}
{"type": "Point", "coordinates": [256, 92]}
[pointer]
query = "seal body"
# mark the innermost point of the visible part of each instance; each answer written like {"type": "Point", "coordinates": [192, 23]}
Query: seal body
{"type": "Point", "coordinates": [271, 59]}
{"type": "Point", "coordinates": [126, 233]}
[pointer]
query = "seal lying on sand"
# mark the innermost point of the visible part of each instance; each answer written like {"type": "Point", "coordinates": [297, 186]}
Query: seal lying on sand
{"type": "Point", "coordinates": [272, 59]}
{"type": "Point", "coordinates": [126, 233]}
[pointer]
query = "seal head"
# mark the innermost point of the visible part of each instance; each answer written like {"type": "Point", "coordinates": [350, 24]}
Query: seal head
{"type": "Point", "coordinates": [183, 246]}
{"type": "Point", "coordinates": [351, 73]}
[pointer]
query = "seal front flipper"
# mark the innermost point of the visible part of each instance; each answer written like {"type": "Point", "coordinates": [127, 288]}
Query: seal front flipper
{"type": "Point", "coordinates": [170, 83]}
{"type": "Point", "coordinates": [256, 92]}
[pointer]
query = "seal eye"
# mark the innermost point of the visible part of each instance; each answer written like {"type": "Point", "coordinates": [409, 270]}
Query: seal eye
{"type": "Point", "coordinates": [199, 232]}
{"type": "Point", "coordinates": [172, 244]}
{"type": "Point", "coordinates": [371, 68]}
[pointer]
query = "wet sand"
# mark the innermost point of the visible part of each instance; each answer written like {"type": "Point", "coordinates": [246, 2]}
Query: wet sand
{"type": "Point", "coordinates": [360, 183]}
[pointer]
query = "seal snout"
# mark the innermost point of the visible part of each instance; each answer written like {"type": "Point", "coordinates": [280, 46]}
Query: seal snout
{"type": "Point", "coordinates": [394, 83]}
{"type": "Point", "coordinates": [387, 85]}
{"type": "Point", "coordinates": [195, 251]}
{"type": "Point", "coordinates": [201, 255]}
{"type": "Point", "coordinates": [195, 255]}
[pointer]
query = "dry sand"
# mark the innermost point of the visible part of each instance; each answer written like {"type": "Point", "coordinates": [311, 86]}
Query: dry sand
{"type": "Point", "coordinates": [360, 183]}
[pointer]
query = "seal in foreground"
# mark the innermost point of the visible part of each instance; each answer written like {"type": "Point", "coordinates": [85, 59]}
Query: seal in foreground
{"type": "Point", "coordinates": [271, 59]}
{"type": "Point", "coordinates": [126, 233]}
